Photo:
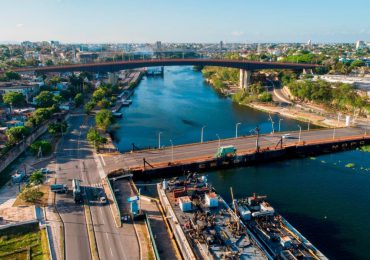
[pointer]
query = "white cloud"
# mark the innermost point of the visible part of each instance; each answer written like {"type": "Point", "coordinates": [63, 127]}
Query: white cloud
{"type": "Point", "coordinates": [237, 33]}
{"type": "Point", "coordinates": [19, 25]}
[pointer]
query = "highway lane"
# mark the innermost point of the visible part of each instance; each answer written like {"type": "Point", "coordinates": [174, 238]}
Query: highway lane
{"type": "Point", "coordinates": [68, 167]}
{"type": "Point", "coordinates": [135, 159]}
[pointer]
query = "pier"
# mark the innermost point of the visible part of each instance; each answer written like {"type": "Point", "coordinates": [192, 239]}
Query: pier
{"type": "Point", "coordinates": [250, 149]}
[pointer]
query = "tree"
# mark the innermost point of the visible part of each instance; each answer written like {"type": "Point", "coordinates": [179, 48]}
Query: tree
{"type": "Point", "coordinates": [79, 99]}
{"type": "Point", "coordinates": [104, 118]}
{"type": "Point", "coordinates": [40, 115]}
{"type": "Point", "coordinates": [89, 106]}
{"type": "Point", "coordinates": [16, 134]}
{"type": "Point", "coordinates": [99, 94]}
{"type": "Point", "coordinates": [95, 138]}
{"type": "Point", "coordinates": [45, 99]}
{"type": "Point", "coordinates": [15, 99]}
{"type": "Point", "coordinates": [104, 103]}
{"type": "Point", "coordinates": [49, 63]}
{"type": "Point", "coordinates": [265, 97]}
{"type": "Point", "coordinates": [11, 75]}
{"type": "Point", "coordinates": [31, 194]}
{"type": "Point", "coordinates": [37, 177]}
{"type": "Point", "coordinates": [43, 146]}
{"type": "Point", "coordinates": [57, 129]}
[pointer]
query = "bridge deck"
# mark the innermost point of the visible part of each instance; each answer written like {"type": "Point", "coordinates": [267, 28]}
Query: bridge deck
{"type": "Point", "coordinates": [185, 154]}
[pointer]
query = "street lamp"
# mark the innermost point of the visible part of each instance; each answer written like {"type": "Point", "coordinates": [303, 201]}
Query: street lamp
{"type": "Point", "coordinates": [335, 126]}
{"type": "Point", "coordinates": [201, 133]}
{"type": "Point", "coordinates": [308, 125]}
{"type": "Point", "coordinates": [236, 129]}
{"type": "Point", "coordinates": [299, 136]}
{"type": "Point", "coordinates": [280, 119]}
{"type": "Point", "coordinates": [219, 141]}
{"type": "Point", "coordinates": [171, 151]}
{"type": "Point", "coordinates": [159, 140]}
{"type": "Point", "coordinates": [272, 124]}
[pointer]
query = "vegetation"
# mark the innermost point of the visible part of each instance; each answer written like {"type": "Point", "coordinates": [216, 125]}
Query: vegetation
{"type": "Point", "coordinates": [221, 77]}
{"type": "Point", "coordinates": [89, 106]}
{"type": "Point", "coordinates": [41, 145]}
{"type": "Point", "coordinates": [16, 134]}
{"type": "Point", "coordinates": [23, 242]}
{"type": "Point", "coordinates": [56, 129]}
{"type": "Point", "coordinates": [14, 99]}
{"type": "Point", "coordinates": [37, 177]}
{"type": "Point", "coordinates": [40, 115]}
{"type": "Point", "coordinates": [95, 138]}
{"type": "Point", "coordinates": [46, 99]}
{"type": "Point", "coordinates": [338, 96]}
{"type": "Point", "coordinates": [103, 119]}
{"type": "Point", "coordinates": [78, 99]}
{"type": "Point", "coordinates": [255, 92]}
{"type": "Point", "coordinates": [31, 194]}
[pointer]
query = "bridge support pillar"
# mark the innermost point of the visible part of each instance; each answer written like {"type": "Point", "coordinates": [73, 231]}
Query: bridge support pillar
{"type": "Point", "coordinates": [307, 71]}
{"type": "Point", "coordinates": [244, 78]}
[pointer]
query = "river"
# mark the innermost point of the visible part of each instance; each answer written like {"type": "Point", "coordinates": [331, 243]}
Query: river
{"type": "Point", "coordinates": [326, 201]}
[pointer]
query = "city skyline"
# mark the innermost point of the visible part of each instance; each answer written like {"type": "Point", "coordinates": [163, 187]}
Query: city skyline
{"type": "Point", "coordinates": [209, 21]}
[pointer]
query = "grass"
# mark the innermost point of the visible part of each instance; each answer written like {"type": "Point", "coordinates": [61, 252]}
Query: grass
{"type": "Point", "coordinates": [23, 242]}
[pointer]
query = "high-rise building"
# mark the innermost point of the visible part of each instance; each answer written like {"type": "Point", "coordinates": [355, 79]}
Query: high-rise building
{"type": "Point", "coordinates": [221, 45]}
{"type": "Point", "coordinates": [360, 45]}
{"type": "Point", "coordinates": [158, 45]}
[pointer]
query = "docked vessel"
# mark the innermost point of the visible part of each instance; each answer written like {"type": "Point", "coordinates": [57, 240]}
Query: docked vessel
{"type": "Point", "coordinates": [279, 237]}
{"type": "Point", "coordinates": [204, 226]}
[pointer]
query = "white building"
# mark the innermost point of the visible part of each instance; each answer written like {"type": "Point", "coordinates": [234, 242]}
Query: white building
{"type": "Point", "coordinates": [360, 45]}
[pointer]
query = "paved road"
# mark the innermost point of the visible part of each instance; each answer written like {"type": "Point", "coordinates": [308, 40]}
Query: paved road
{"type": "Point", "coordinates": [192, 151]}
{"type": "Point", "coordinates": [75, 160]}
{"type": "Point", "coordinates": [68, 167]}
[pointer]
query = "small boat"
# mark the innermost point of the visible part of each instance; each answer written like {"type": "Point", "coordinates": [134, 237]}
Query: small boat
{"type": "Point", "coordinates": [117, 114]}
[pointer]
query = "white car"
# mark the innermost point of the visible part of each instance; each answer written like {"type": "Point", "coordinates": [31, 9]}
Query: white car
{"type": "Point", "coordinates": [286, 136]}
{"type": "Point", "coordinates": [45, 170]}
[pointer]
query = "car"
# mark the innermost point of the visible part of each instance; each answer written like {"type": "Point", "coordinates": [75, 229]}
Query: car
{"type": "Point", "coordinates": [45, 170]}
{"type": "Point", "coordinates": [286, 136]}
{"type": "Point", "coordinates": [103, 200]}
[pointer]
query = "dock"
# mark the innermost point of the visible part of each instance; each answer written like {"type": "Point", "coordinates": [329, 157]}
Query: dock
{"type": "Point", "coordinates": [200, 156]}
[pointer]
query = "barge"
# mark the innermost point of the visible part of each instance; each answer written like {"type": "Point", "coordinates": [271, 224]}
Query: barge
{"type": "Point", "coordinates": [203, 224]}
{"type": "Point", "coordinates": [279, 237]}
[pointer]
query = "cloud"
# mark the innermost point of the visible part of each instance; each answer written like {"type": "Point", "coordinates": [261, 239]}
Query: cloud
{"type": "Point", "coordinates": [19, 25]}
{"type": "Point", "coordinates": [237, 33]}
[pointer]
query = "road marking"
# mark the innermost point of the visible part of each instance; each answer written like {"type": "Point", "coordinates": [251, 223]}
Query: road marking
{"type": "Point", "coordinates": [101, 211]}
{"type": "Point", "coordinates": [111, 251]}
{"type": "Point", "coordinates": [102, 160]}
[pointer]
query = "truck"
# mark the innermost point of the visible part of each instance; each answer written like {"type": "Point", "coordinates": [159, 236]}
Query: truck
{"type": "Point", "coordinates": [77, 193]}
{"type": "Point", "coordinates": [58, 188]}
{"type": "Point", "coordinates": [225, 152]}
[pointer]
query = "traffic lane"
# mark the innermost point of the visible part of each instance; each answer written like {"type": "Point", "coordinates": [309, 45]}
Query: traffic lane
{"type": "Point", "coordinates": [245, 143]}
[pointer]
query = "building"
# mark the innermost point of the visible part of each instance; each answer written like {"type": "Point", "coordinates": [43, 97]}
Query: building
{"type": "Point", "coordinates": [29, 91]}
{"type": "Point", "coordinates": [158, 45]}
{"type": "Point", "coordinates": [86, 57]}
{"type": "Point", "coordinates": [221, 45]}
{"type": "Point", "coordinates": [360, 45]}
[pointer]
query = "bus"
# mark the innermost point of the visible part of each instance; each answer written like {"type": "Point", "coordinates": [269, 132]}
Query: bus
{"type": "Point", "coordinates": [77, 193]}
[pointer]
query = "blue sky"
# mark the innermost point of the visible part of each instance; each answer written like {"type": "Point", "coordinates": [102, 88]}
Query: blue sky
{"type": "Point", "coordinates": [245, 21]}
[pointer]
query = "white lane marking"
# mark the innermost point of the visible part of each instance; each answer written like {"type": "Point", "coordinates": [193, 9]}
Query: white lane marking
{"type": "Point", "coordinates": [101, 212]}
{"type": "Point", "coordinates": [111, 251]}
{"type": "Point", "coordinates": [102, 160]}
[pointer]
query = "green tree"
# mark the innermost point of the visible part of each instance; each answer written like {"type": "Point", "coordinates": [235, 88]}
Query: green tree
{"type": "Point", "coordinates": [11, 75]}
{"type": "Point", "coordinates": [49, 63]}
{"type": "Point", "coordinates": [95, 138]}
{"type": "Point", "coordinates": [41, 145]}
{"type": "Point", "coordinates": [45, 99]}
{"type": "Point", "coordinates": [89, 106]}
{"type": "Point", "coordinates": [99, 94]}
{"type": "Point", "coordinates": [14, 99]}
{"type": "Point", "coordinates": [79, 99]}
{"type": "Point", "coordinates": [16, 134]}
{"type": "Point", "coordinates": [40, 115]}
{"type": "Point", "coordinates": [104, 118]}
{"type": "Point", "coordinates": [265, 97]}
{"type": "Point", "coordinates": [104, 103]}
{"type": "Point", "coordinates": [32, 194]}
{"type": "Point", "coordinates": [56, 129]}
{"type": "Point", "coordinates": [37, 177]}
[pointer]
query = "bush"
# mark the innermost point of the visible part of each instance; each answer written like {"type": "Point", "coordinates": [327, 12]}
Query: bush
{"type": "Point", "coordinates": [37, 177]}
{"type": "Point", "coordinates": [31, 195]}
{"type": "Point", "coordinates": [16, 134]}
{"type": "Point", "coordinates": [95, 138]}
{"type": "Point", "coordinates": [57, 129]}
{"type": "Point", "coordinates": [265, 97]}
{"type": "Point", "coordinates": [45, 146]}
{"type": "Point", "coordinates": [104, 119]}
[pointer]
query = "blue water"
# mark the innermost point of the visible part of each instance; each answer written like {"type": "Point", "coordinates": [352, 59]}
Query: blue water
{"type": "Point", "coordinates": [327, 202]}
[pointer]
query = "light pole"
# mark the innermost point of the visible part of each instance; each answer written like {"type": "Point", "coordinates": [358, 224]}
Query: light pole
{"type": "Point", "coordinates": [171, 151]}
{"type": "Point", "coordinates": [201, 133]}
{"type": "Point", "coordinates": [299, 136]}
{"type": "Point", "coordinates": [308, 125]}
{"type": "Point", "coordinates": [335, 126]}
{"type": "Point", "coordinates": [159, 140]}
{"type": "Point", "coordinates": [272, 124]}
{"type": "Point", "coordinates": [280, 119]}
{"type": "Point", "coordinates": [236, 129]}
{"type": "Point", "coordinates": [219, 141]}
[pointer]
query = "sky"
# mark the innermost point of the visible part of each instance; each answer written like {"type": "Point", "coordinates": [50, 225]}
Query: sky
{"type": "Point", "coordinates": [204, 21]}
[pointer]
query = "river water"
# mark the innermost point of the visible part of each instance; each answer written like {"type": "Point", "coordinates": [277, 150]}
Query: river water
{"type": "Point", "coordinates": [328, 202]}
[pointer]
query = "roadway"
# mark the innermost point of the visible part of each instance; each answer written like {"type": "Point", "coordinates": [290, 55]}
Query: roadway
{"type": "Point", "coordinates": [206, 150]}
{"type": "Point", "coordinates": [75, 160]}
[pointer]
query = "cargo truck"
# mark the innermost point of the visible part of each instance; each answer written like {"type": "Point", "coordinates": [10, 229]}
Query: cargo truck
{"type": "Point", "coordinates": [58, 188]}
{"type": "Point", "coordinates": [77, 193]}
{"type": "Point", "coordinates": [225, 151]}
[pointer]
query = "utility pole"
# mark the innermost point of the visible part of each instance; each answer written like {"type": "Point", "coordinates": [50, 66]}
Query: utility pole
{"type": "Point", "coordinates": [171, 151]}
{"type": "Point", "coordinates": [299, 136]}
{"type": "Point", "coordinates": [272, 124]}
{"type": "Point", "coordinates": [280, 119]}
{"type": "Point", "coordinates": [159, 140]}
{"type": "Point", "coordinates": [257, 140]}
{"type": "Point", "coordinates": [308, 125]}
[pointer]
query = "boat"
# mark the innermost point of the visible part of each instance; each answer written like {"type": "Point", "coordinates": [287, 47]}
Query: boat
{"type": "Point", "coordinates": [117, 114]}
{"type": "Point", "coordinates": [203, 224]}
{"type": "Point", "coordinates": [278, 236]}
{"type": "Point", "coordinates": [125, 102]}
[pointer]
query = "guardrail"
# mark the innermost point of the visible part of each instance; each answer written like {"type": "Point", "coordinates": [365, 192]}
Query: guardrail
{"type": "Point", "coordinates": [115, 202]}
{"type": "Point", "coordinates": [152, 240]}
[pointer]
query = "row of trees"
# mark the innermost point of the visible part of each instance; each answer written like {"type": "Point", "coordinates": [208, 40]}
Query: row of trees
{"type": "Point", "coordinates": [255, 92]}
{"type": "Point", "coordinates": [339, 96]}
